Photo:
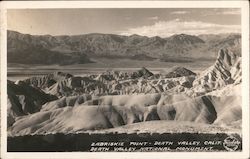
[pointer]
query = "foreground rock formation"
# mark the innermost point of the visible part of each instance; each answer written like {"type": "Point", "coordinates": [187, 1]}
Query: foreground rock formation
{"type": "Point", "coordinates": [111, 111]}
{"type": "Point", "coordinates": [226, 70]}
{"type": "Point", "coordinates": [24, 99]}
{"type": "Point", "coordinates": [63, 103]}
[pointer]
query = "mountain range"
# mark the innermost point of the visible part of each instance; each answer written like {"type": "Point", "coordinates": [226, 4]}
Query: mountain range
{"type": "Point", "coordinates": [79, 49]}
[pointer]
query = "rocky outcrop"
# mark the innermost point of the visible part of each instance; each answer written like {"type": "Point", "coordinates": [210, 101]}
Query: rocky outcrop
{"type": "Point", "coordinates": [178, 72]}
{"type": "Point", "coordinates": [66, 101]}
{"type": "Point", "coordinates": [226, 70]}
{"type": "Point", "coordinates": [109, 83]}
{"type": "Point", "coordinates": [24, 99]}
{"type": "Point", "coordinates": [47, 81]}
{"type": "Point", "coordinates": [143, 72]}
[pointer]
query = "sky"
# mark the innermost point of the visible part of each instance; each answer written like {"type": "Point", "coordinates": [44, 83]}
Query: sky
{"type": "Point", "coordinates": [142, 21]}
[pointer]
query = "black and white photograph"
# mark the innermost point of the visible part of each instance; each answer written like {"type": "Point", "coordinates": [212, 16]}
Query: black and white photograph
{"type": "Point", "coordinates": [132, 79]}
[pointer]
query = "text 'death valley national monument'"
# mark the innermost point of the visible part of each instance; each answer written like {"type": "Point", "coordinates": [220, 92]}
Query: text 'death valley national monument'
{"type": "Point", "coordinates": [124, 80]}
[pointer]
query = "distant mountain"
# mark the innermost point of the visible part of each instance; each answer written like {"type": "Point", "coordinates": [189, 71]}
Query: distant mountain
{"type": "Point", "coordinates": [47, 49]}
{"type": "Point", "coordinates": [223, 41]}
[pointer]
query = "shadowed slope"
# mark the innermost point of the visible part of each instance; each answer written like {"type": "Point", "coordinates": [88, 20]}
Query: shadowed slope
{"type": "Point", "coordinates": [24, 99]}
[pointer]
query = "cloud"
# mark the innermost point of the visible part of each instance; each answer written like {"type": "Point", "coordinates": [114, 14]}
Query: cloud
{"type": "Point", "coordinates": [127, 18]}
{"type": "Point", "coordinates": [153, 18]}
{"type": "Point", "coordinates": [168, 28]}
{"type": "Point", "coordinates": [222, 12]}
{"type": "Point", "coordinates": [179, 12]}
{"type": "Point", "coordinates": [231, 12]}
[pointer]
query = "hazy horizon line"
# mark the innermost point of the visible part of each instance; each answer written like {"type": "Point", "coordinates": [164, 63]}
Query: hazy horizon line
{"type": "Point", "coordinates": [239, 33]}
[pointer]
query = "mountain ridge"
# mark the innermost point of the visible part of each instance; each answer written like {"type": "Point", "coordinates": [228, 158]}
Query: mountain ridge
{"type": "Point", "coordinates": [69, 49]}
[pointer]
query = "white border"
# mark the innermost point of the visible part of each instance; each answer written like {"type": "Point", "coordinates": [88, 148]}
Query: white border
{"type": "Point", "coordinates": [244, 5]}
